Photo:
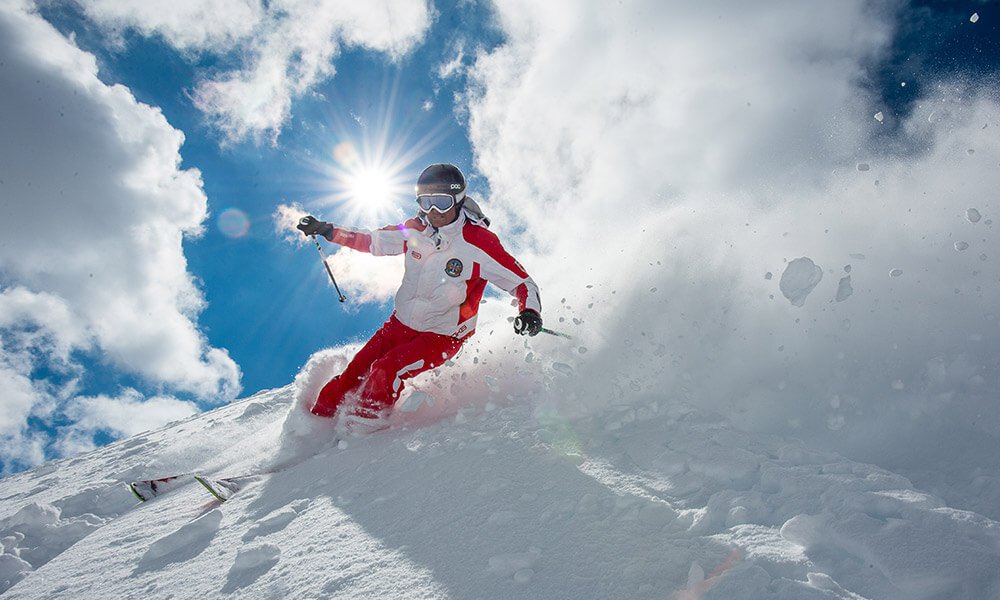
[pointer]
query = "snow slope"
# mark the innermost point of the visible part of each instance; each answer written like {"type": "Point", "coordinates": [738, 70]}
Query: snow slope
{"type": "Point", "coordinates": [494, 497]}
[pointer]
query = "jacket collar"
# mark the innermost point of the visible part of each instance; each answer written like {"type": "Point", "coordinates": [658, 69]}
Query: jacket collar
{"type": "Point", "coordinates": [442, 236]}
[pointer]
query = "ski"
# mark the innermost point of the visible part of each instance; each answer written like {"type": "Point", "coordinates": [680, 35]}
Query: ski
{"type": "Point", "coordinates": [221, 487]}
{"type": "Point", "coordinates": [147, 489]}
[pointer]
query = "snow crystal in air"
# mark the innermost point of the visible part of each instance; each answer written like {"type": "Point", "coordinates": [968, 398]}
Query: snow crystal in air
{"type": "Point", "coordinates": [973, 215]}
{"type": "Point", "coordinates": [864, 167]}
{"type": "Point", "coordinates": [879, 116]}
{"type": "Point", "coordinates": [961, 246]}
{"type": "Point", "coordinates": [562, 368]}
{"type": "Point", "coordinates": [844, 289]}
{"type": "Point", "coordinates": [895, 272]}
{"type": "Point", "coordinates": [974, 17]}
{"type": "Point", "coordinates": [800, 277]}
{"type": "Point", "coordinates": [858, 256]}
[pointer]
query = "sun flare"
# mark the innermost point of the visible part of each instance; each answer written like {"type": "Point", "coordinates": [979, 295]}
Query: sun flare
{"type": "Point", "coordinates": [372, 187]}
{"type": "Point", "coordinates": [364, 176]}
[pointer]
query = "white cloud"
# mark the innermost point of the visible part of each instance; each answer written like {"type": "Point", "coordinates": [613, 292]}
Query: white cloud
{"type": "Point", "coordinates": [95, 207]}
{"type": "Point", "coordinates": [19, 396]}
{"type": "Point", "coordinates": [669, 155]}
{"type": "Point", "coordinates": [128, 414]}
{"type": "Point", "coordinates": [366, 278]}
{"type": "Point", "coordinates": [287, 47]}
{"type": "Point", "coordinates": [360, 276]}
{"type": "Point", "coordinates": [295, 52]}
{"type": "Point", "coordinates": [185, 24]}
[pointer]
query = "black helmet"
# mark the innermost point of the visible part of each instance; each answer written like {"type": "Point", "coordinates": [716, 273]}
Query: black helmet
{"type": "Point", "coordinates": [442, 179]}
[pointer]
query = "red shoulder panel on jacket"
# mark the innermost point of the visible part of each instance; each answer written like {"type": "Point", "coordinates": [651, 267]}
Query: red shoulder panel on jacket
{"type": "Point", "coordinates": [488, 242]}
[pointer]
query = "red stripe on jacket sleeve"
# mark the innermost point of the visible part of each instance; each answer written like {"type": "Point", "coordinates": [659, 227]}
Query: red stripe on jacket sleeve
{"type": "Point", "coordinates": [521, 293]}
{"type": "Point", "coordinates": [355, 240]}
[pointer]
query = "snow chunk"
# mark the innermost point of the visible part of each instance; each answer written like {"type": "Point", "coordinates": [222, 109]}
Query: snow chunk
{"type": "Point", "coordinates": [973, 215]}
{"type": "Point", "coordinates": [844, 289]}
{"type": "Point", "coordinates": [562, 368]}
{"type": "Point", "coordinates": [182, 545]}
{"type": "Point", "coordinates": [864, 167]}
{"type": "Point", "coordinates": [415, 400]}
{"type": "Point", "coordinates": [960, 246]}
{"type": "Point", "coordinates": [879, 117]}
{"type": "Point", "coordinates": [801, 276]}
{"type": "Point", "coordinates": [974, 18]}
{"type": "Point", "coordinates": [250, 564]}
{"type": "Point", "coordinates": [654, 516]}
{"type": "Point", "coordinates": [895, 272]}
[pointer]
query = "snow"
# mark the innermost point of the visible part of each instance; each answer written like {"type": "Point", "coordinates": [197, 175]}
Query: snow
{"type": "Point", "coordinates": [801, 276]}
{"type": "Point", "coordinates": [496, 497]}
{"type": "Point", "coordinates": [844, 288]}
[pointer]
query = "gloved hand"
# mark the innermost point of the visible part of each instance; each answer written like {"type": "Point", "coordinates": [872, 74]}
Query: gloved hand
{"type": "Point", "coordinates": [528, 323]}
{"type": "Point", "coordinates": [310, 225]}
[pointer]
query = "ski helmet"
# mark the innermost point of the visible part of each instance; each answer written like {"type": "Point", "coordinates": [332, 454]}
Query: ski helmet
{"type": "Point", "coordinates": [442, 179]}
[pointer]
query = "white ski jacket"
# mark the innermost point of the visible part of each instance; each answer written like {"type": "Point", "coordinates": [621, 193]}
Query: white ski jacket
{"type": "Point", "coordinates": [446, 270]}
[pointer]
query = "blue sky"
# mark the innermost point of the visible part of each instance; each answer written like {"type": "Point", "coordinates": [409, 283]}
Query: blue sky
{"type": "Point", "coordinates": [270, 306]}
{"type": "Point", "coordinates": [585, 128]}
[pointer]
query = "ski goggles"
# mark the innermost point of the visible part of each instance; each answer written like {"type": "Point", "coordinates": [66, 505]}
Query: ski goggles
{"type": "Point", "coordinates": [441, 203]}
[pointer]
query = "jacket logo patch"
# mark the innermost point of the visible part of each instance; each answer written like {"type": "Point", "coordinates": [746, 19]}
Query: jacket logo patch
{"type": "Point", "coordinates": [453, 268]}
{"type": "Point", "coordinates": [416, 255]}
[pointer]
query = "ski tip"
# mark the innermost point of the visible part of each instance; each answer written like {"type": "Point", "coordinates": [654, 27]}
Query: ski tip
{"type": "Point", "coordinates": [135, 492]}
{"type": "Point", "coordinates": [211, 488]}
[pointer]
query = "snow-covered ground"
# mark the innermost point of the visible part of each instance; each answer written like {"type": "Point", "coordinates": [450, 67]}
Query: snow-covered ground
{"type": "Point", "coordinates": [499, 496]}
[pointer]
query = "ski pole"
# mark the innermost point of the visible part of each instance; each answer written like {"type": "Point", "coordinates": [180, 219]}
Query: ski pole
{"type": "Point", "coordinates": [329, 271]}
{"type": "Point", "coordinates": [556, 333]}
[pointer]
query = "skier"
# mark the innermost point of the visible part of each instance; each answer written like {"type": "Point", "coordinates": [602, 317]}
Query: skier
{"type": "Point", "coordinates": [450, 256]}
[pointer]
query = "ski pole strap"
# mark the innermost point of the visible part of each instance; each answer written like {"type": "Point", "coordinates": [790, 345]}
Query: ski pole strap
{"type": "Point", "coordinates": [329, 271]}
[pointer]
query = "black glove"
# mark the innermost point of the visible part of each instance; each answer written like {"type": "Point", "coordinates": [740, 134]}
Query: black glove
{"type": "Point", "coordinates": [528, 323]}
{"type": "Point", "coordinates": [310, 225]}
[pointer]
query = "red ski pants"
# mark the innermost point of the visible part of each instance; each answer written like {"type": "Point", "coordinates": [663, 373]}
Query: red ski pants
{"type": "Point", "coordinates": [376, 373]}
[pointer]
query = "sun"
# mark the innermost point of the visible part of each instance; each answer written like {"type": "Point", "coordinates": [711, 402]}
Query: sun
{"type": "Point", "coordinates": [370, 192]}
{"type": "Point", "coordinates": [367, 184]}
{"type": "Point", "coordinates": [362, 168]}
{"type": "Point", "coordinates": [371, 186]}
